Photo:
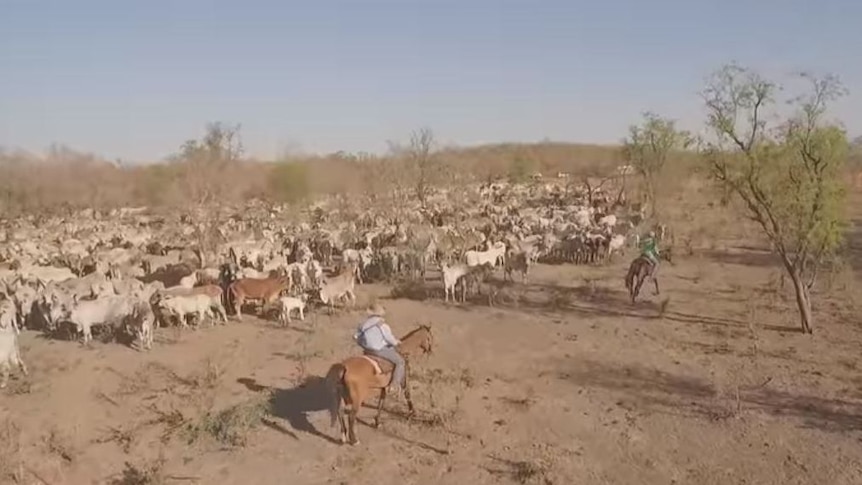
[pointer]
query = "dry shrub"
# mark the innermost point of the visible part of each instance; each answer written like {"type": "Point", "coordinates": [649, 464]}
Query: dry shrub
{"type": "Point", "coordinates": [231, 426]}
{"type": "Point", "coordinates": [209, 376]}
{"type": "Point", "coordinates": [445, 391]}
{"type": "Point", "coordinates": [11, 466]}
{"type": "Point", "coordinates": [149, 473]}
{"type": "Point", "coordinates": [64, 180]}
{"type": "Point", "coordinates": [523, 471]}
{"type": "Point", "coordinates": [60, 444]}
{"type": "Point", "coordinates": [124, 437]}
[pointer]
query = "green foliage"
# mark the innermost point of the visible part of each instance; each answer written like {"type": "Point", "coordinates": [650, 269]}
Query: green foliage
{"type": "Point", "coordinates": [231, 426]}
{"type": "Point", "coordinates": [289, 181]}
{"type": "Point", "coordinates": [648, 147]}
{"type": "Point", "coordinates": [787, 175]}
{"type": "Point", "coordinates": [520, 169]}
{"type": "Point", "coordinates": [856, 153]}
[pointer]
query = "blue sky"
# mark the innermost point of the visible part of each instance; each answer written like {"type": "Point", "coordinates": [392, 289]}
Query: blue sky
{"type": "Point", "coordinates": [134, 79]}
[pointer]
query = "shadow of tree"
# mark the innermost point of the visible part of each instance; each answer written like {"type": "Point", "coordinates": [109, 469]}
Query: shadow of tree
{"type": "Point", "coordinates": [743, 256]}
{"type": "Point", "coordinates": [294, 405]}
{"type": "Point", "coordinates": [680, 395]}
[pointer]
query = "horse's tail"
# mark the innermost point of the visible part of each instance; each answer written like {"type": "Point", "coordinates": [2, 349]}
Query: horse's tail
{"type": "Point", "coordinates": [335, 384]}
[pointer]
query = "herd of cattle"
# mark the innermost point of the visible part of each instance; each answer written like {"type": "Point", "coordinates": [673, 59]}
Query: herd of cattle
{"type": "Point", "coordinates": [129, 271]}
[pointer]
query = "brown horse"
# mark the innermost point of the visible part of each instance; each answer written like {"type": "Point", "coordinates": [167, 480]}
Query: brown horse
{"type": "Point", "coordinates": [640, 269]}
{"type": "Point", "coordinates": [352, 380]}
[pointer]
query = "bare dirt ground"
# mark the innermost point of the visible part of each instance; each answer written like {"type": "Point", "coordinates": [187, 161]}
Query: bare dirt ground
{"type": "Point", "coordinates": [564, 381]}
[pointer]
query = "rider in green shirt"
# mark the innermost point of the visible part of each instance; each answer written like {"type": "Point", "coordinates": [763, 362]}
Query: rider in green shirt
{"type": "Point", "coordinates": [650, 250]}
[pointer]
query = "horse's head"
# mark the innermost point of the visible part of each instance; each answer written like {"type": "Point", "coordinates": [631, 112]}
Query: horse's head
{"type": "Point", "coordinates": [667, 255]}
{"type": "Point", "coordinates": [427, 342]}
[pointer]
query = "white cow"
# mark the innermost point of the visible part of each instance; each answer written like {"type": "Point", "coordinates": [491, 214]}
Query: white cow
{"type": "Point", "coordinates": [451, 275]}
{"type": "Point", "coordinates": [10, 354]}
{"type": "Point", "coordinates": [201, 305]}
{"type": "Point", "coordinates": [109, 310]}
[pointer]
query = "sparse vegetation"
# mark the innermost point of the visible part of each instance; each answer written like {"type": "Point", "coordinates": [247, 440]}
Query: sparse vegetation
{"type": "Point", "coordinates": [563, 358]}
{"type": "Point", "coordinates": [230, 426]}
{"type": "Point", "coordinates": [150, 473]}
{"type": "Point", "coordinates": [11, 467]}
{"type": "Point", "coordinates": [788, 174]}
{"type": "Point", "coordinates": [648, 148]}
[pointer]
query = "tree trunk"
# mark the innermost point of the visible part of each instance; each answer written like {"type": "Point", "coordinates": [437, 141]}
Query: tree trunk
{"type": "Point", "coordinates": [803, 301]}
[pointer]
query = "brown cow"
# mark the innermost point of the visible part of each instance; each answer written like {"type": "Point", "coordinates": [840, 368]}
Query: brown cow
{"type": "Point", "coordinates": [264, 289]}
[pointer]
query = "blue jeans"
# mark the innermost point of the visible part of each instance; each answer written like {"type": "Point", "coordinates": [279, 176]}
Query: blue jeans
{"type": "Point", "coordinates": [392, 355]}
{"type": "Point", "coordinates": [652, 259]}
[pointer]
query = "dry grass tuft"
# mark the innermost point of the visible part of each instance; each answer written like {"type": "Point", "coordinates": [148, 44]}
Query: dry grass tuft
{"type": "Point", "coordinates": [123, 437]}
{"type": "Point", "coordinates": [11, 466]}
{"type": "Point", "coordinates": [150, 473]}
{"type": "Point", "coordinates": [231, 426]}
{"type": "Point", "coordinates": [522, 471]}
{"type": "Point", "coordinates": [60, 444]}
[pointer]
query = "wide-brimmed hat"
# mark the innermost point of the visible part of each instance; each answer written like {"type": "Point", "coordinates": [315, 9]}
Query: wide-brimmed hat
{"type": "Point", "coordinates": [376, 309]}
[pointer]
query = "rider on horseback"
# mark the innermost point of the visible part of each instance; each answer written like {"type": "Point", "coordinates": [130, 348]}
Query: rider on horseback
{"type": "Point", "coordinates": [650, 251]}
{"type": "Point", "coordinates": [375, 337]}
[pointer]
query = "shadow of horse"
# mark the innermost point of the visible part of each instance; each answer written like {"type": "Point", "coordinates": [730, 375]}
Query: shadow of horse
{"type": "Point", "coordinates": [293, 405]}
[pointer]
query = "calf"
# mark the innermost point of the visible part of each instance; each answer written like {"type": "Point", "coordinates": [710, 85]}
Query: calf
{"type": "Point", "coordinates": [451, 275]}
{"type": "Point", "coordinates": [288, 303]}
{"type": "Point", "coordinates": [315, 273]}
{"type": "Point", "coordinates": [141, 324]}
{"type": "Point", "coordinates": [517, 261]}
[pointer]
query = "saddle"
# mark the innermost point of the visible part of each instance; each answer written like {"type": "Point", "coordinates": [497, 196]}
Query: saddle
{"type": "Point", "coordinates": [381, 365]}
{"type": "Point", "coordinates": [646, 259]}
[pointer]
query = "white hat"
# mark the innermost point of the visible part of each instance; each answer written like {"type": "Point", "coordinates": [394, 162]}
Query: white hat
{"type": "Point", "coordinates": [376, 309]}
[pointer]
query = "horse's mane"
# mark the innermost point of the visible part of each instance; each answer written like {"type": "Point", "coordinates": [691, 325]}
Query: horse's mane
{"type": "Point", "coordinates": [426, 328]}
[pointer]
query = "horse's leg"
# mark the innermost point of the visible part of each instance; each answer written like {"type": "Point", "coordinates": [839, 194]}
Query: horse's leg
{"type": "Point", "coordinates": [410, 409]}
{"type": "Point", "coordinates": [380, 401]}
{"type": "Point", "coordinates": [638, 285]}
{"type": "Point", "coordinates": [356, 398]}
{"type": "Point", "coordinates": [351, 425]}
{"type": "Point", "coordinates": [342, 423]}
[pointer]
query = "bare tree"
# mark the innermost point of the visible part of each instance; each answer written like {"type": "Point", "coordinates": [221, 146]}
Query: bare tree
{"type": "Point", "coordinates": [421, 162]}
{"type": "Point", "coordinates": [787, 174]}
{"type": "Point", "coordinates": [205, 161]}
